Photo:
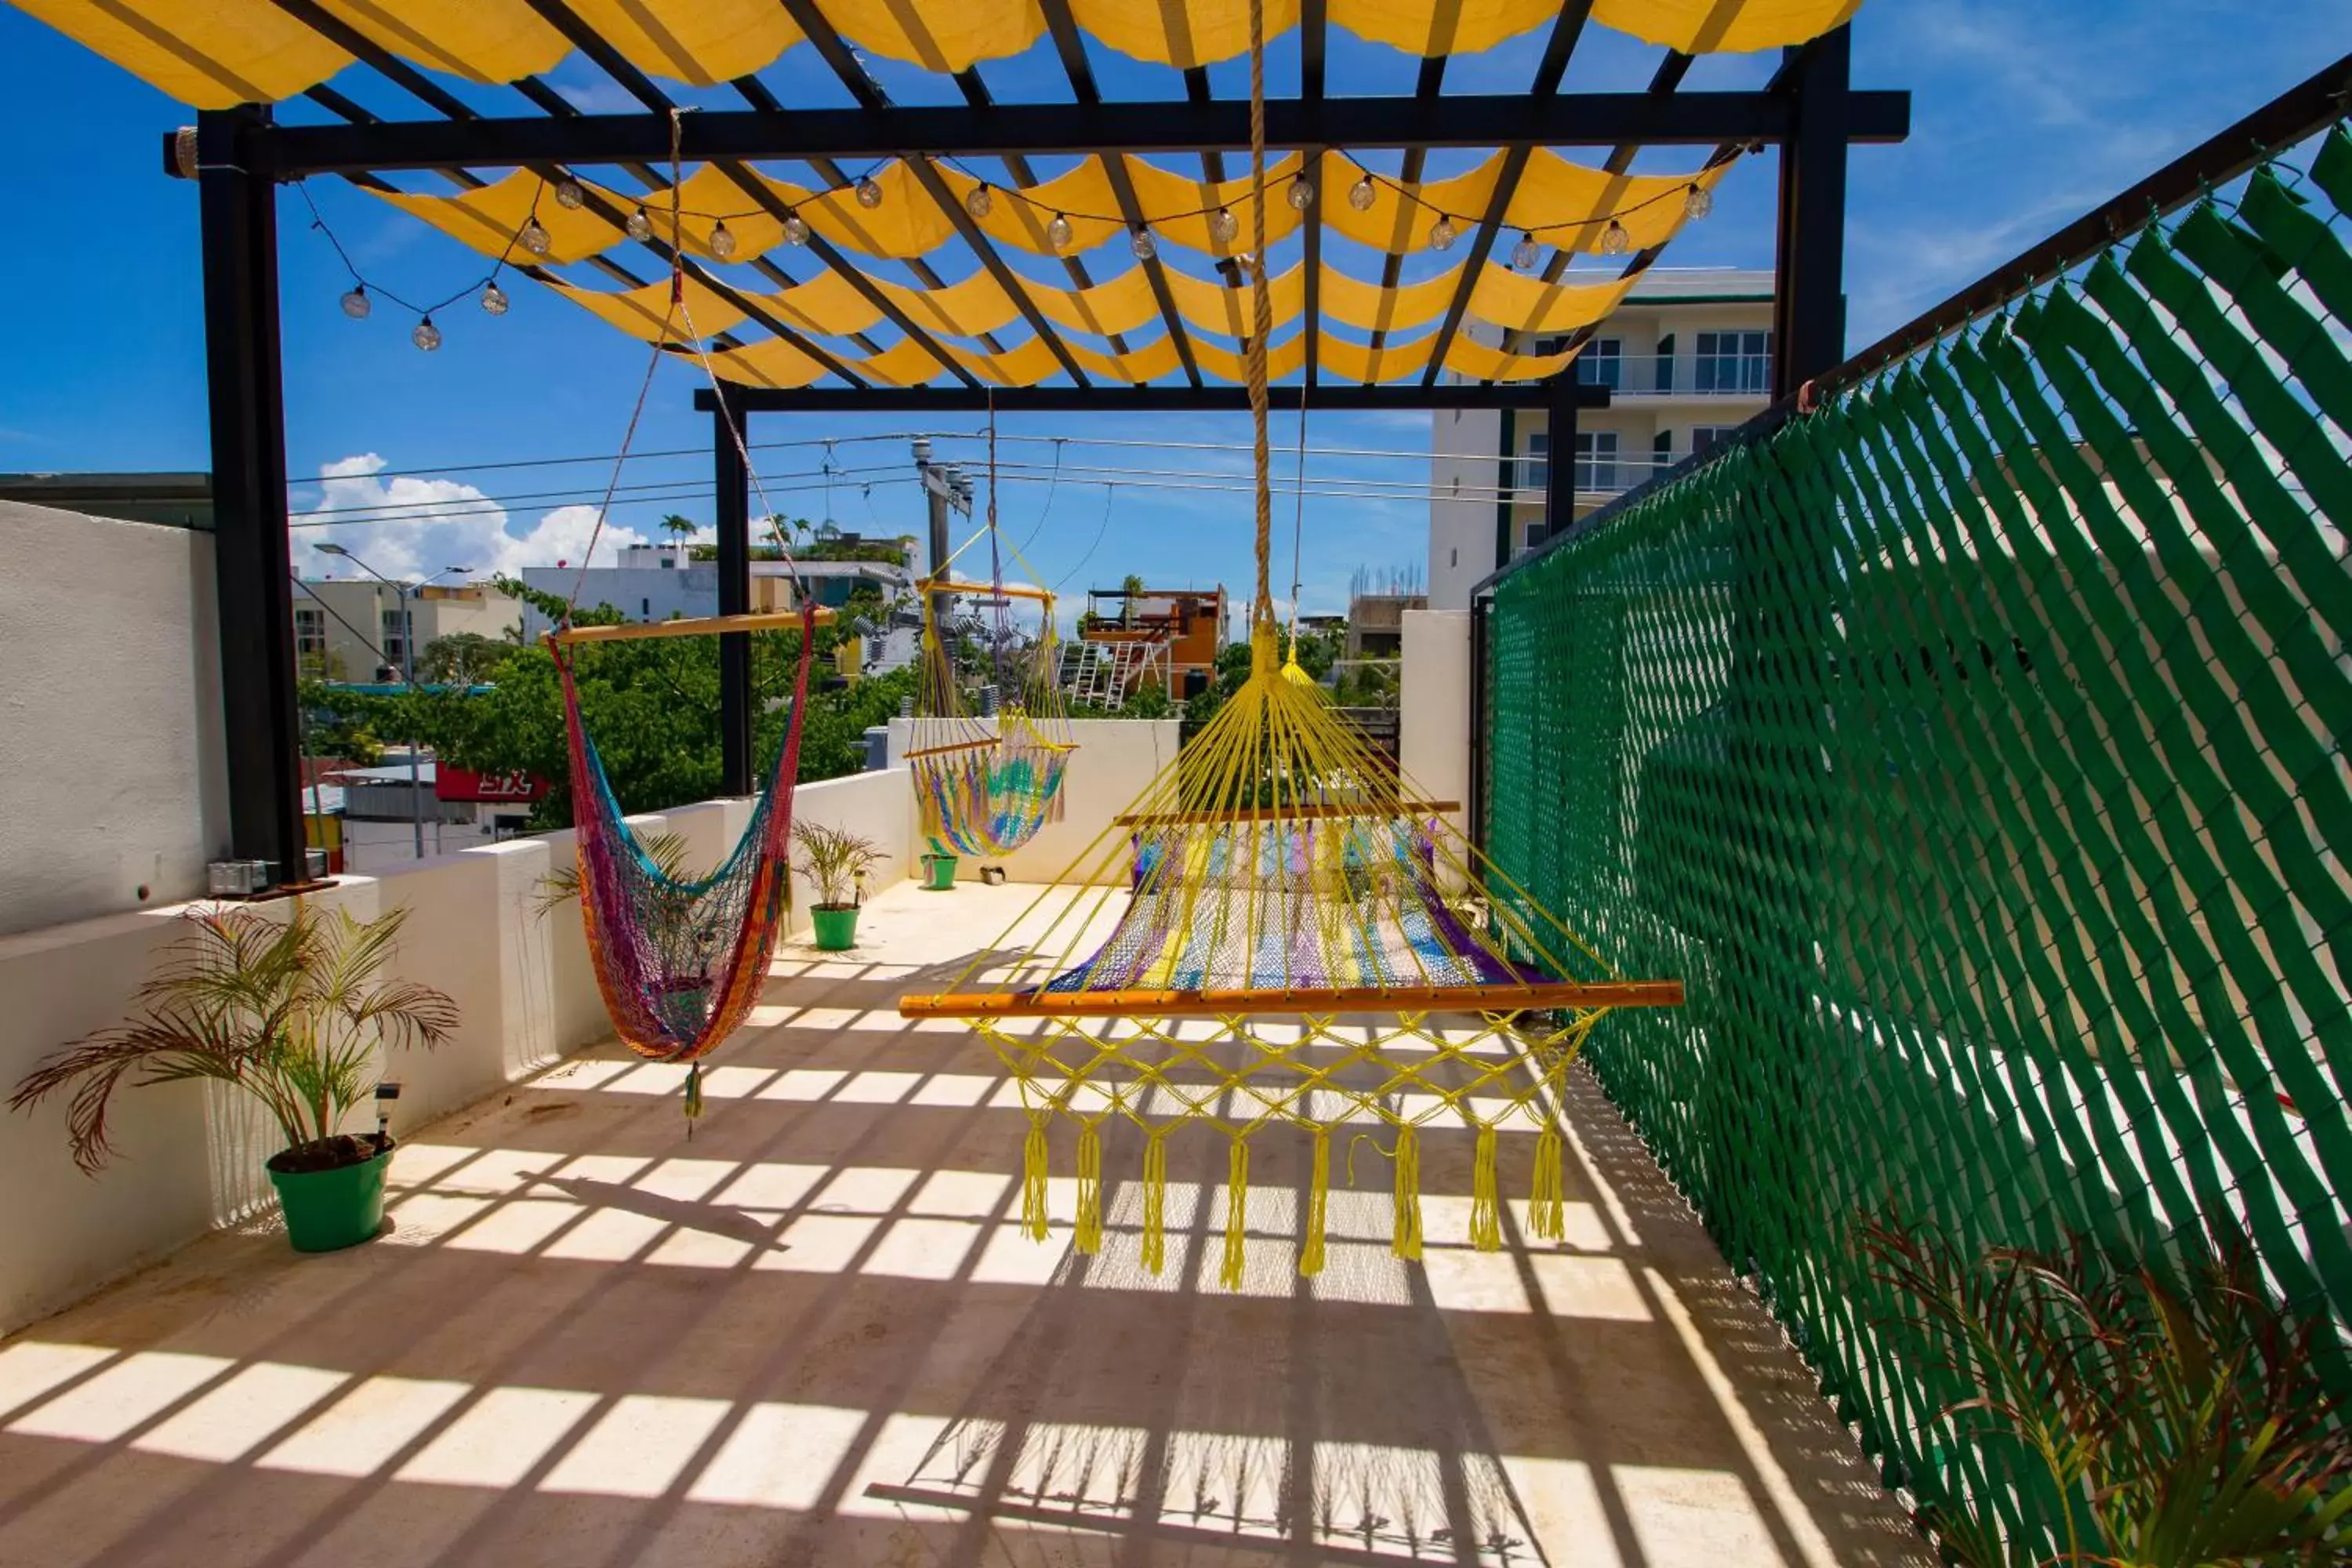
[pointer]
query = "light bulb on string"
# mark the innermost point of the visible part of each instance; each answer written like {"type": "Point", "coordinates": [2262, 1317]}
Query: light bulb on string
{"type": "Point", "coordinates": [979, 202]}
{"type": "Point", "coordinates": [1225, 225]}
{"type": "Point", "coordinates": [869, 195]}
{"type": "Point", "coordinates": [1698, 202]}
{"type": "Point", "coordinates": [426, 336]}
{"type": "Point", "coordinates": [1360, 195]}
{"type": "Point", "coordinates": [569, 196]}
{"type": "Point", "coordinates": [1525, 254]}
{"type": "Point", "coordinates": [796, 230]}
{"type": "Point", "coordinates": [1441, 233]}
{"type": "Point", "coordinates": [494, 299]}
{"type": "Point", "coordinates": [1058, 233]}
{"type": "Point", "coordinates": [1302, 194]}
{"type": "Point", "coordinates": [722, 240]}
{"type": "Point", "coordinates": [356, 304]}
{"type": "Point", "coordinates": [1614, 240]}
{"type": "Point", "coordinates": [1140, 242]}
{"type": "Point", "coordinates": [641, 224]}
{"type": "Point", "coordinates": [534, 236]}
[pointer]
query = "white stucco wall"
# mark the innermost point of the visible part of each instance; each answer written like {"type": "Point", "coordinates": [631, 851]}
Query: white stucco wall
{"type": "Point", "coordinates": [110, 717]}
{"type": "Point", "coordinates": [1116, 761]}
{"type": "Point", "coordinates": [1463, 473]}
{"type": "Point", "coordinates": [191, 1156]}
{"type": "Point", "coordinates": [1433, 707]}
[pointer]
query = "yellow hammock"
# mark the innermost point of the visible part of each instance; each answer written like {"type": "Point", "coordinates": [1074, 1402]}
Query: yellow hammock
{"type": "Point", "coordinates": [1282, 929]}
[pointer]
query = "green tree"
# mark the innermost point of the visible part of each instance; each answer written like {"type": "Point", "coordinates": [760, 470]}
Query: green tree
{"type": "Point", "coordinates": [463, 659]}
{"type": "Point", "coordinates": [679, 527]}
{"type": "Point", "coordinates": [1131, 586]}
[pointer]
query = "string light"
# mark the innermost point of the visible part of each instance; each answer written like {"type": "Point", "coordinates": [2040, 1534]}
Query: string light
{"type": "Point", "coordinates": [722, 240]}
{"type": "Point", "coordinates": [1441, 233]}
{"type": "Point", "coordinates": [1140, 242]}
{"type": "Point", "coordinates": [869, 195]}
{"type": "Point", "coordinates": [494, 299]}
{"type": "Point", "coordinates": [1614, 239]}
{"type": "Point", "coordinates": [978, 202]}
{"type": "Point", "coordinates": [1525, 254]}
{"type": "Point", "coordinates": [1058, 232]}
{"type": "Point", "coordinates": [641, 224]}
{"type": "Point", "coordinates": [1698, 203]}
{"type": "Point", "coordinates": [534, 236]}
{"type": "Point", "coordinates": [1360, 195]}
{"type": "Point", "coordinates": [426, 336]}
{"type": "Point", "coordinates": [356, 304]}
{"type": "Point", "coordinates": [796, 230]}
{"type": "Point", "coordinates": [569, 196]}
{"type": "Point", "coordinates": [1225, 225]}
{"type": "Point", "coordinates": [1302, 194]}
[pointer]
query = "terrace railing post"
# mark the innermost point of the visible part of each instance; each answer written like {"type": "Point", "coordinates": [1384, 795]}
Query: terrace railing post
{"type": "Point", "coordinates": [1809, 303]}
{"type": "Point", "coordinates": [731, 481]}
{"type": "Point", "coordinates": [1481, 606]}
{"type": "Point", "coordinates": [237, 203]}
{"type": "Point", "coordinates": [1559, 445]}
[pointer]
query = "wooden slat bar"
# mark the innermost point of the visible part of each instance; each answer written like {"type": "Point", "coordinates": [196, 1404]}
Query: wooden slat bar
{"type": "Point", "coordinates": [688, 626]}
{"type": "Point", "coordinates": [979, 745]}
{"type": "Point", "coordinates": [1382, 809]}
{"type": "Point", "coordinates": [989, 590]}
{"type": "Point", "coordinates": [1316, 1001]}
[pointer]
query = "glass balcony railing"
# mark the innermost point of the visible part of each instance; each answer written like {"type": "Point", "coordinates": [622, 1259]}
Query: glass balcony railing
{"type": "Point", "coordinates": [1595, 475]}
{"type": "Point", "coordinates": [1700, 375]}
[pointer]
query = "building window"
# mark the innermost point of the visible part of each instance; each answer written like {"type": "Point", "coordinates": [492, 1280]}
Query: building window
{"type": "Point", "coordinates": [1662, 453]}
{"type": "Point", "coordinates": [1534, 470]}
{"type": "Point", "coordinates": [1705, 436]}
{"type": "Point", "coordinates": [310, 636]}
{"type": "Point", "coordinates": [393, 640]}
{"type": "Point", "coordinates": [1733, 361]}
{"type": "Point", "coordinates": [1602, 362]}
{"type": "Point", "coordinates": [1596, 461]}
{"type": "Point", "coordinates": [644, 609]}
{"type": "Point", "coordinates": [1666, 364]}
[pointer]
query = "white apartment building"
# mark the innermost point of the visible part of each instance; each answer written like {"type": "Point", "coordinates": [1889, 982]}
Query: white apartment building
{"type": "Point", "coordinates": [355, 629]}
{"type": "Point", "coordinates": [1687, 357]}
{"type": "Point", "coordinates": [663, 581]}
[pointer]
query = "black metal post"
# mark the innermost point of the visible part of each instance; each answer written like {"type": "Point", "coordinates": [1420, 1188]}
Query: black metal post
{"type": "Point", "coordinates": [262, 719]}
{"type": "Point", "coordinates": [731, 481]}
{"type": "Point", "coordinates": [1809, 303]}
{"type": "Point", "coordinates": [1559, 446]}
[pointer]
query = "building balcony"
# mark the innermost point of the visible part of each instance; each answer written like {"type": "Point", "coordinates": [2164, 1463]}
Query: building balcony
{"type": "Point", "coordinates": [1706, 378]}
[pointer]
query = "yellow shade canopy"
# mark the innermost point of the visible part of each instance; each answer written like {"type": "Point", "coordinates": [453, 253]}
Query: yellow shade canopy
{"type": "Point", "coordinates": [491, 218]}
{"type": "Point", "coordinates": [217, 53]}
{"type": "Point", "coordinates": [645, 312]}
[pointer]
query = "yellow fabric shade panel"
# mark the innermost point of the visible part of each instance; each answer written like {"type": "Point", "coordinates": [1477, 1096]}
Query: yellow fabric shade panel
{"type": "Point", "coordinates": [1564, 204]}
{"type": "Point", "coordinates": [1158, 189]}
{"type": "Point", "coordinates": [1480, 362]}
{"type": "Point", "coordinates": [481, 40]}
{"type": "Point", "coordinates": [1193, 33]}
{"type": "Point", "coordinates": [1210, 305]}
{"type": "Point", "coordinates": [772, 361]}
{"type": "Point", "coordinates": [213, 54]}
{"type": "Point", "coordinates": [1720, 27]}
{"type": "Point", "coordinates": [1283, 359]}
{"type": "Point", "coordinates": [1523, 304]}
{"type": "Point", "coordinates": [701, 42]}
{"type": "Point", "coordinates": [489, 219]}
{"type": "Point", "coordinates": [1379, 310]}
{"type": "Point", "coordinates": [643, 311]}
{"type": "Point", "coordinates": [1421, 28]}
{"type": "Point", "coordinates": [1361, 361]}
{"type": "Point", "coordinates": [946, 35]}
{"type": "Point", "coordinates": [1085, 198]}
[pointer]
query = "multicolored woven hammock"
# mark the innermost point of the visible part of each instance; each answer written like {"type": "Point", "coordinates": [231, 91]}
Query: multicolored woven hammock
{"type": "Point", "coordinates": [681, 963]}
{"type": "Point", "coordinates": [991, 798]}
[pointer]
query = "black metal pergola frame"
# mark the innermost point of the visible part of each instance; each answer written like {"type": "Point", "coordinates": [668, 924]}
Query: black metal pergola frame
{"type": "Point", "coordinates": [1809, 111]}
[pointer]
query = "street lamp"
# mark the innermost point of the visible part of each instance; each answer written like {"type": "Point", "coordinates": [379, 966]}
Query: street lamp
{"type": "Point", "coordinates": [407, 674]}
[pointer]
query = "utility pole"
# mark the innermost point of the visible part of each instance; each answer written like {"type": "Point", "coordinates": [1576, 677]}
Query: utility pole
{"type": "Point", "coordinates": [944, 486]}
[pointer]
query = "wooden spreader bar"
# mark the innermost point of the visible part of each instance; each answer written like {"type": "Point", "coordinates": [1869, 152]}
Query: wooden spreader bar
{"type": "Point", "coordinates": [689, 626]}
{"type": "Point", "coordinates": [1009, 591]}
{"type": "Point", "coordinates": [1317, 1002]}
{"type": "Point", "coordinates": [1293, 813]}
{"type": "Point", "coordinates": [980, 745]}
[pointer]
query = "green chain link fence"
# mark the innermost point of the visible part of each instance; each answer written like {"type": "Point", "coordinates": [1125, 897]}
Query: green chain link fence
{"type": "Point", "coordinates": [1973, 747]}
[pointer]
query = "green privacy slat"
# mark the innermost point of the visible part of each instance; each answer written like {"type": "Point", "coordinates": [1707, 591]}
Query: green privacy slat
{"type": "Point", "coordinates": [1971, 746]}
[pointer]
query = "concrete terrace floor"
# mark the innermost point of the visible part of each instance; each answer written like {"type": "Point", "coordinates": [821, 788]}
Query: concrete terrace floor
{"type": "Point", "coordinates": [815, 1335]}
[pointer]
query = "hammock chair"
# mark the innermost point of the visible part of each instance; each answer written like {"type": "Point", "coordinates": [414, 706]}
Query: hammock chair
{"type": "Point", "coordinates": [1282, 929]}
{"type": "Point", "coordinates": [985, 788]}
{"type": "Point", "coordinates": [680, 961]}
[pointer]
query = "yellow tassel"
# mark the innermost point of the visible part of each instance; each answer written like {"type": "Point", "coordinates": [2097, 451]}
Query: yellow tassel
{"type": "Point", "coordinates": [1319, 1192]}
{"type": "Point", "coordinates": [1546, 1213]}
{"type": "Point", "coordinates": [1089, 1237]}
{"type": "Point", "coordinates": [1155, 1203]}
{"type": "Point", "coordinates": [1406, 1241]}
{"type": "Point", "coordinates": [1033, 1178]}
{"type": "Point", "coordinates": [1485, 1212]}
{"type": "Point", "coordinates": [1236, 1215]}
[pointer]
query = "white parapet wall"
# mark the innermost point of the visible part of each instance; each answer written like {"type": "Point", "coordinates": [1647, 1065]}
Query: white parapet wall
{"type": "Point", "coordinates": [1115, 762]}
{"type": "Point", "coordinates": [1433, 706]}
{"type": "Point", "coordinates": [190, 1156]}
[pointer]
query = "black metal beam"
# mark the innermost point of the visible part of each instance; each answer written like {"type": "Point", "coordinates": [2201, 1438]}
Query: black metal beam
{"type": "Point", "coordinates": [1428, 84]}
{"type": "Point", "coordinates": [732, 510]}
{"type": "Point", "coordinates": [1565, 30]}
{"type": "Point", "coordinates": [1312, 20]}
{"type": "Point", "coordinates": [1809, 291]}
{"type": "Point", "coordinates": [1560, 455]}
{"type": "Point", "coordinates": [1574, 120]}
{"type": "Point", "coordinates": [914, 400]}
{"type": "Point", "coordinates": [262, 719]}
{"type": "Point", "coordinates": [1006, 278]}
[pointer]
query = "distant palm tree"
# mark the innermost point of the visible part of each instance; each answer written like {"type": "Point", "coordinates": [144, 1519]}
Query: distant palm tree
{"type": "Point", "coordinates": [679, 527]}
{"type": "Point", "coordinates": [1131, 586]}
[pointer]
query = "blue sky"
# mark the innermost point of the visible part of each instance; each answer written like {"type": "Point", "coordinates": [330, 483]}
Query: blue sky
{"type": "Point", "coordinates": [2025, 114]}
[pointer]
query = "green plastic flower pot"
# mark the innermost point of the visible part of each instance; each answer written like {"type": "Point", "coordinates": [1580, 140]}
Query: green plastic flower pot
{"type": "Point", "coordinates": [330, 1210]}
{"type": "Point", "coordinates": [837, 930]}
{"type": "Point", "coordinates": [939, 872]}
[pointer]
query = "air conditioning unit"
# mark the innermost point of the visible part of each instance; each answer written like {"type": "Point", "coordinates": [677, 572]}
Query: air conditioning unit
{"type": "Point", "coordinates": [236, 878]}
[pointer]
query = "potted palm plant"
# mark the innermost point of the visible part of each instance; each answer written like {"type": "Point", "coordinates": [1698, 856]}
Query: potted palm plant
{"type": "Point", "coordinates": [290, 1011]}
{"type": "Point", "coordinates": [836, 861]}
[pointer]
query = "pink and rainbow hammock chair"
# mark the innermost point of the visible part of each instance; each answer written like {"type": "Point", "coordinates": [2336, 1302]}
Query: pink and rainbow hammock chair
{"type": "Point", "coordinates": [680, 963]}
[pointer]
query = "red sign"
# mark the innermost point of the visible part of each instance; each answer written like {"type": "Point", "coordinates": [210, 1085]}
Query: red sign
{"type": "Point", "coordinates": [516, 788]}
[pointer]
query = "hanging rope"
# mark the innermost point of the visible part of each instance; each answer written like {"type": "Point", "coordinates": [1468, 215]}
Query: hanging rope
{"type": "Point", "coordinates": [1261, 328]}
{"type": "Point", "coordinates": [1298, 522]}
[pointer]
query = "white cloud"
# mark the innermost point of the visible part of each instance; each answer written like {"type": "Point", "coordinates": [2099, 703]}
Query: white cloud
{"type": "Point", "coordinates": [407, 527]}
